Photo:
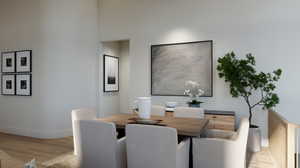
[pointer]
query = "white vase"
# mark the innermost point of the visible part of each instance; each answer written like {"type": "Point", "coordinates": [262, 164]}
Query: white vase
{"type": "Point", "coordinates": [144, 106]}
{"type": "Point", "coordinates": [254, 140]}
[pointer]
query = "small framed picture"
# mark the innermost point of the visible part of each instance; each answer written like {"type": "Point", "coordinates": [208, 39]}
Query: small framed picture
{"type": "Point", "coordinates": [8, 85]}
{"type": "Point", "coordinates": [23, 85]}
{"type": "Point", "coordinates": [111, 73]}
{"type": "Point", "coordinates": [23, 61]}
{"type": "Point", "coordinates": [8, 62]}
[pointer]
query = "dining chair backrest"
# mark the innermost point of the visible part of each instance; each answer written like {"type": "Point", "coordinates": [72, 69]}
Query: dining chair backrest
{"type": "Point", "coordinates": [151, 146]}
{"type": "Point", "coordinates": [99, 144]}
{"type": "Point", "coordinates": [80, 114]}
{"type": "Point", "coordinates": [158, 110]}
{"type": "Point", "coordinates": [189, 112]}
{"type": "Point", "coordinates": [214, 152]}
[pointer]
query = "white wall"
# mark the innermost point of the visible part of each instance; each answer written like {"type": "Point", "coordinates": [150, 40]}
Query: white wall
{"type": "Point", "coordinates": [124, 77]}
{"type": "Point", "coordinates": [267, 28]}
{"type": "Point", "coordinates": [63, 37]}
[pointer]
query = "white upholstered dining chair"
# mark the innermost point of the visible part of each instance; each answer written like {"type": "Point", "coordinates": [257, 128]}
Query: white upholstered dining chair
{"type": "Point", "coordinates": [100, 147]}
{"type": "Point", "coordinates": [222, 153]}
{"type": "Point", "coordinates": [158, 110]}
{"type": "Point", "coordinates": [80, 114]}
{"type": "Point", "coordinates": [155, 147]}
{"type": "Point", "coordinates": [189, 112]}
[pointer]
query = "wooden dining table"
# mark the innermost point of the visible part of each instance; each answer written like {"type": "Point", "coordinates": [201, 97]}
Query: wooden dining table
{"type": "Point", "coordinates": [191, 127]}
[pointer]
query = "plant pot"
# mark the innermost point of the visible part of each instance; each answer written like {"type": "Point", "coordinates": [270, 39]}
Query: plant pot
{"type": "Point", "coordinates": [194, 105]}
{"type": "Point", "coordinates": [254, 140]}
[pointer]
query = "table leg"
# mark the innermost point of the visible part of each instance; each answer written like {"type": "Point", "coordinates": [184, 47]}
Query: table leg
{"type": "Point", "coordinates": [191, 152]}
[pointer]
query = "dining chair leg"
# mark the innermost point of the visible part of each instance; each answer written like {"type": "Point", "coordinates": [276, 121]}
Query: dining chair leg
{"type": "Point", "coordinates": [191, 153]}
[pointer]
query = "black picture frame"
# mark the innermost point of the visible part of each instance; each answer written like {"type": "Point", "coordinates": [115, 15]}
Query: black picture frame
{"type": "Point", "coordinates": [104, 73]}
{"type": "Point", "coordinates": [170, 44]}
{"type": "Point", "coordinates": [29, 62]}
{"type": "Point", "coordinates": [2, 86]}
{"type": "Point", "coordinates": [30, 85]}
{"type": "Point", "coordinates": [14, 61]}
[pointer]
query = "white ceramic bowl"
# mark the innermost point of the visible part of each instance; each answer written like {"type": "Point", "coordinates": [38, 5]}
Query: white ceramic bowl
{"type": "Point", "coordinates": [171, 104]}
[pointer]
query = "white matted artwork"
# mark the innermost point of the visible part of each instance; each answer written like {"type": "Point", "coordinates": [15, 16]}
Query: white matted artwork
{"type": "Point", "coordinates": [8, 62]}
{"type": "Point", "coordinates": [23, 85]}
{"type": "Point", "coordinates": [23, 61]}
{"type": "Point", "coordinates": [8, 85]}
{"type": "Point", "coordinates": [110, 73]}
{"type": "Point", "coordinates": [174, 64]}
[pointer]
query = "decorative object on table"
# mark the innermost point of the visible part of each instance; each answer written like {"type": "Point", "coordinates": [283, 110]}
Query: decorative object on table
{"type": "Point", "coordinates": [23, 61]}
{"type": "Point", "coordinates": [135, 106]}
{"type": "Point", "coordinates": [8, 84]}
{"type": "Point", "coordinates": [247, 83]}
{"type": "Point", "coordinates": [173, 64]}
{"type": "Point", "coordinates": [31, 164]}
{"type": "Point", "coordinates": [23, 84]}
{"type": "Point", "coordinates": [110, 73]}
{"type": "Point", "coordinates": [8, 62]}
{"type": "Point", "coordinates": [170, 106]}
{"type": "Point", "coordinates": [144, 107]}
{"type": "Point", "coordinates": [192, 89]}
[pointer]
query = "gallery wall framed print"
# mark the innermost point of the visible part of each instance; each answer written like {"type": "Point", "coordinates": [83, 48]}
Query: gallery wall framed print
{"type": "Point", "coordinates": [23, 84]}
{"type": "Point", "coordinates": [8, 62]}
{"type": "Point", "coordinates": [110, 73]}
{"type": "Point", "coordinates": [174, 64]}
{"type": "Point", "coordinates": [8, 85]}
{"type": "Point", "coordinates": [23, 61]}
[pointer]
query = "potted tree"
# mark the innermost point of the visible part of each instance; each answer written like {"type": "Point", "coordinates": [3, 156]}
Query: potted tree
{"type": "Point", "coordinates": [256, 88]}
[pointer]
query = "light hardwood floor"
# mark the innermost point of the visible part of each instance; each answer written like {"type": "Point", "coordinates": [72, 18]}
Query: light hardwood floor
{"type": "Point", "coordinates": [262, 159]}
{"type": "Point", "coordinates": [25, 148]}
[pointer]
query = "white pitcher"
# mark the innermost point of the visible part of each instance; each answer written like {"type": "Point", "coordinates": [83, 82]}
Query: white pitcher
{"type": "Point", "coordinates": [144, 106]}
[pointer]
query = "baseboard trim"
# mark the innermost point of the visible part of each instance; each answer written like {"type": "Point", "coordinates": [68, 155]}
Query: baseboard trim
{"type": "Point", "coordinates": [53, 134]}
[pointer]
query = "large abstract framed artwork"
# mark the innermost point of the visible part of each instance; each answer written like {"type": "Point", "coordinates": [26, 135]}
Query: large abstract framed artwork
{"type": "Point", "coordinates": [174, 64]}
{"type": "Point", "coordinates": [23, 84]}
{"type": "Point", "coordinates": [111, 73]}
{"type": "Point", "coordinates": [8, 62]}
{"type": "Point", "coordinates": [23, 61]}
{"type": "Point", "coordinates": [8, 84]}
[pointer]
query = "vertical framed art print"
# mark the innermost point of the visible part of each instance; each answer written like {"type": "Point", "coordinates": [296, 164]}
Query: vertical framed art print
{"type": "Point", "coordinates": [8, 84]}
{"type": "Point", "coordinates": [23, 61]}
{"type": "Point", "coordinates": [110, 73]}
{"type": "Point", "coordinates": [23, 85]}
{"type": "Point", "coordinates": [8, 61]}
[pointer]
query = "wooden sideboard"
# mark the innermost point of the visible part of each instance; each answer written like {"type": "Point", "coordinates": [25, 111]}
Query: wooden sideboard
{"type": "Point", "coordinates": [222, 120]}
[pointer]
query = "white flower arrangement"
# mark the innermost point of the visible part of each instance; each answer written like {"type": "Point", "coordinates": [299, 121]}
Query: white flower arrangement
{"type": "Point", "coordinates": [193, 90]}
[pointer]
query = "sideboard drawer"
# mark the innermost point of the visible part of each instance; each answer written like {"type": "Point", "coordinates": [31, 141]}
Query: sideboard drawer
{"type": "Point", "coordinates": [217, 121]}
{"type": "Point", "coordinates": [222, 122]}
{"type": "Point", "coordinates": [224, 118]}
